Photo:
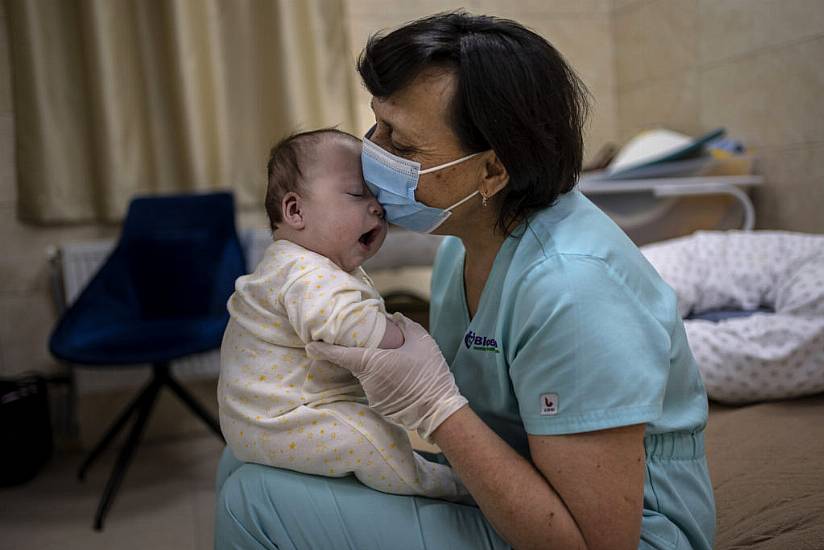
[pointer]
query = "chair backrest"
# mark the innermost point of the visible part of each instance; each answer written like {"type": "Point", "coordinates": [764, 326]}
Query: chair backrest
{"type": "Point", "coordinates": [181, 253]}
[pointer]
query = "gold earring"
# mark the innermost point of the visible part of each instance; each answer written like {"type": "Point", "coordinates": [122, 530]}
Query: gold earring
{"type": "Point", "coordinates": [483, 201]}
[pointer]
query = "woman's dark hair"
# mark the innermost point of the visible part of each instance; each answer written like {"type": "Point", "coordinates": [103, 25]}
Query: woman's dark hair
{"type": "Point", "coordinates": [515, 94]}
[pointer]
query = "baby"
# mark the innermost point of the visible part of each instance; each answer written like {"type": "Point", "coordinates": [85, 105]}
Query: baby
{"type": "Point", "coordinates": [278, 406]}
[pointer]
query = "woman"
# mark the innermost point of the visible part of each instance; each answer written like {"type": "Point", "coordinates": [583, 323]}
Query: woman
{"type": "Point", "coordinates": [576, 413]}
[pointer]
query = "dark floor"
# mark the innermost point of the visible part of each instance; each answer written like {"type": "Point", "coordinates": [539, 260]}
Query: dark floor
{"type": "Point", "coordinates": [166, 501]}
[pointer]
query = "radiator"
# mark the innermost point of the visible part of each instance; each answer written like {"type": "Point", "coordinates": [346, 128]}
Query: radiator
{"type": "Point", "coordinates": [74, 264]}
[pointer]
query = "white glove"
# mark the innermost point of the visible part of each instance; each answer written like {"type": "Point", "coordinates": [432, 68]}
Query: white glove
{"type": "Point", "coordinates": [411, 385]}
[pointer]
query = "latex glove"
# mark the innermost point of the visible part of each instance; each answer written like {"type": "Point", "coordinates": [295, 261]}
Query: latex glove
{"type": "Point", "coordinates": [411, 385]}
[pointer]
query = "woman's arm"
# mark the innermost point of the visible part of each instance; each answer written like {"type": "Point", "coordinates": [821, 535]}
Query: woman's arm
{"type": "Point", "coordinates": [584, 490]}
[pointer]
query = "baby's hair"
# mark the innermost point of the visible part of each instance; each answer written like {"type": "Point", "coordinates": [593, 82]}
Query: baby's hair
{"type": "Point", "coordinates": [284, 170]}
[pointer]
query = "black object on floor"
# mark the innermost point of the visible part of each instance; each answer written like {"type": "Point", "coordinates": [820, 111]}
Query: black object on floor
{"type": "Point", "coordinates": [25, 429]}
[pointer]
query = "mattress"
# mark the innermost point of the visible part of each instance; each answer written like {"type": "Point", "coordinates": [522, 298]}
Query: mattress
{"type": "Point", "coordinates": [767, 467]}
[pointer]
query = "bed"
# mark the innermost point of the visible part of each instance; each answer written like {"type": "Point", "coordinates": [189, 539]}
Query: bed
{"type": "Point", "coordinates": [767, 467]}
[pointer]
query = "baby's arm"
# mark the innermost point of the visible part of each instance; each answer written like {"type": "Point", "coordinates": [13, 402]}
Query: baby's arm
{"type": "Point", "coordinates": [392, 337]}
{"type": "Point", "coordinates": [331, 306]}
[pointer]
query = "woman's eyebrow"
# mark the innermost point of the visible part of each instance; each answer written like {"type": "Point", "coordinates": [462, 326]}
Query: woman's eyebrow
{"type": "Point", "coordinates": [399, 134]}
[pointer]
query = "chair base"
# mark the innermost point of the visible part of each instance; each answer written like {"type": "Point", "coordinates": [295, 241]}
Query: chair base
{"type": "Point", "coordinates": [141, 407]}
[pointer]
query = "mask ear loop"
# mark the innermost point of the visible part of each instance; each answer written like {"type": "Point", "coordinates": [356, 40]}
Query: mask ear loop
{"type": "Point", "coordinates": [463, 200]}
{"type": "Point", "coordinates": [448, 164]}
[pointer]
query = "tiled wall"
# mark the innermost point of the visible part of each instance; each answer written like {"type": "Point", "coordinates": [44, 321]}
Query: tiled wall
{"type": "Point", "coordinates": [752, 66]}
{"type": "Point", "coordinates": [579, 29]}
{"type": "Point", "coordinates": [26, 311]}
{"type": "Point", "coordinates": [690, 65]}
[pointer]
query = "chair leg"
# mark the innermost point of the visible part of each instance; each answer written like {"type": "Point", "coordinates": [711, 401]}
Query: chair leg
{"type": "Point", "coordinates": [126, 454]}
{"type": "Point", "coordinates": [196, 407]}
{"type": "Point", "coordinates": [142, 406]}
{"type": "Point", "coordinates": [115, 429]}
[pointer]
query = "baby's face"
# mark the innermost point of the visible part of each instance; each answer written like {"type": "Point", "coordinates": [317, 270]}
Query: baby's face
{"type": "Point", "coordinates": [344, 221]}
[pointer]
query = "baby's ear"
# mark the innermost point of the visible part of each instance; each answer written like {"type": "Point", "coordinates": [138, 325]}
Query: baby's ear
{"type": "Point", "coordinates": [291, 210]}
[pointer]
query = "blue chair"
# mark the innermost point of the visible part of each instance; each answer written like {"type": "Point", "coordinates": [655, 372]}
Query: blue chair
{"type": "Point", "coordinates": [160, 295]}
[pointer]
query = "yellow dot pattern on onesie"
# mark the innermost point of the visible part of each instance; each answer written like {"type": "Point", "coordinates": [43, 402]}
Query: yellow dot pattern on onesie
{"type": "Point", "coordinates": [281, 408]}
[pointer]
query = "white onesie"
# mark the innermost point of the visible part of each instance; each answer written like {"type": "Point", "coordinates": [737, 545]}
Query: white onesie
{"type": "Point", "coordinates": [280, 408]}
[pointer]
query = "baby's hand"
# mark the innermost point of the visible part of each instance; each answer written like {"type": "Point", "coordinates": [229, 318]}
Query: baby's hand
{"type": "Point", "coordinates": [392, 336]}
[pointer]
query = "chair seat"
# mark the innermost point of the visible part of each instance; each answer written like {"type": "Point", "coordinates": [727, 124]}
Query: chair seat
{"type": "Point", "coordinates": [129, 342]}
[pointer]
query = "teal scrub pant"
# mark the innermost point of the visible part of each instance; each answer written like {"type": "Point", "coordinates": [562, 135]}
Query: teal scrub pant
{"type": "Point", "coordinates": [679, 506]}
{"type": "Point", "coordinates": [261, 507]}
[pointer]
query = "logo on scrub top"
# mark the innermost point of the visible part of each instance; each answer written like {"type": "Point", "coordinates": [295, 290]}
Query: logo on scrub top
{"type": "Point", "coordinates": [480, 343]}
{"type": "Point", "coordinates": [549, 404]}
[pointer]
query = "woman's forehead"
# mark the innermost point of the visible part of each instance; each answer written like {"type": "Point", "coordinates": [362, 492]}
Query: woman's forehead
{"type": "Point", "coordinates": [420, 107]}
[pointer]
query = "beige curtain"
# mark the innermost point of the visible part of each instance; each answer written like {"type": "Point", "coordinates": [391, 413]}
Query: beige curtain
{"type": "Point", "coordinates": [118, 97]}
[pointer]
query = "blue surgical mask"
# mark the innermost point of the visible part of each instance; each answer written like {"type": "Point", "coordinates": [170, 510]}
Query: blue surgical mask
{"type": "Point", "coordinates": [393, 181]}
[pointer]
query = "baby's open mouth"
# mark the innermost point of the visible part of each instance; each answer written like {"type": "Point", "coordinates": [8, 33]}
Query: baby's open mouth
{"type": "Point", "coordinates": [369, 237]}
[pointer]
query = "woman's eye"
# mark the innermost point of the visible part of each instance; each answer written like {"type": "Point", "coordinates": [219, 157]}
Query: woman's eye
{"type": "Point", "coordinates": [402, 151]}
{"type": "Point", "coordinates": [355, 194]}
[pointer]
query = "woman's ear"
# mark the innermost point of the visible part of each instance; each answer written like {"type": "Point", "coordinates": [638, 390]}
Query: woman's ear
{"type": "Point", "coordinates": [291, 210]}
{"type": "Point", "coordinates": [494, 177]}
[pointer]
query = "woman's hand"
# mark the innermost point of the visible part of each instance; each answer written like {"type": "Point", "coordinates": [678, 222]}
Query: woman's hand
{"type": "Point", "coordinates": [411, 385]}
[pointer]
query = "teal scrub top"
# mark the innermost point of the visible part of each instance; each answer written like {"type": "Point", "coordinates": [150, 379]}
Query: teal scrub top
{"type": "Point", "coordinates": [575, 331]}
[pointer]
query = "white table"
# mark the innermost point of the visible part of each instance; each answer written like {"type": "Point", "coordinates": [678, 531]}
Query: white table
{"type": "Point", "coordinates": [735, 186]}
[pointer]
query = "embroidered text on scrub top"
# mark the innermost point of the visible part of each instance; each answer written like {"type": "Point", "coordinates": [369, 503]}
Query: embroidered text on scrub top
{"type": "Point", "coordinates": [480, 343]}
